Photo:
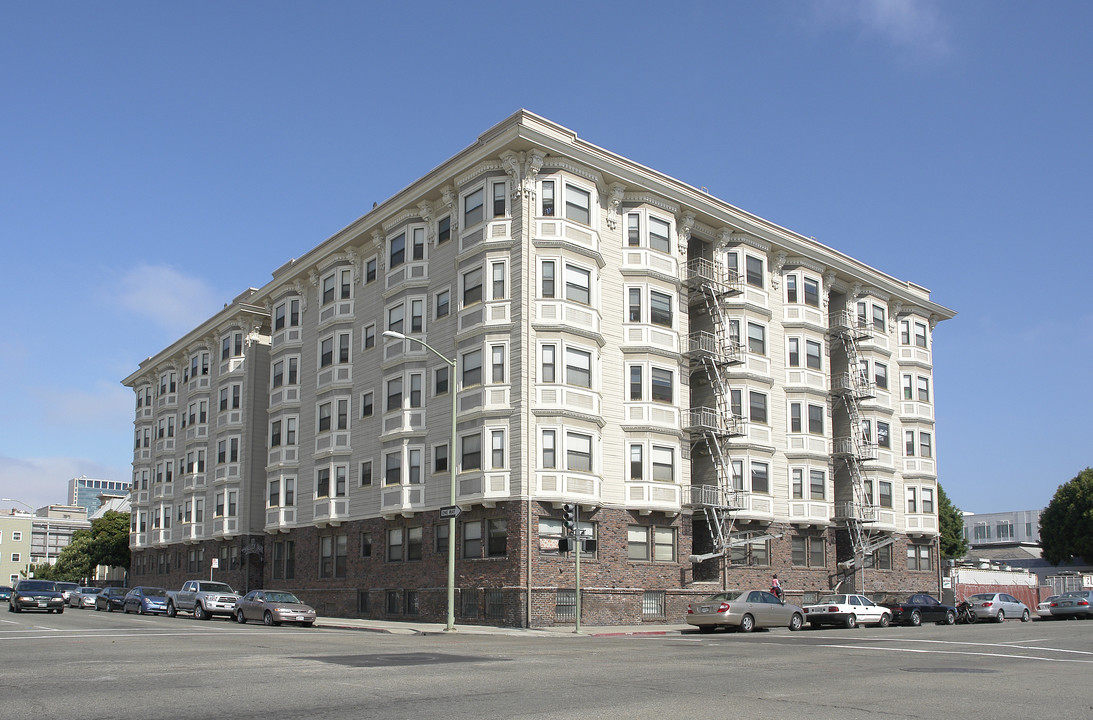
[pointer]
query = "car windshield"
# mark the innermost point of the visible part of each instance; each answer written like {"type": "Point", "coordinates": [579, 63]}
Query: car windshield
{"type": "Point", "coordinates": [116, 591]}
{"type": "Point", "coordinates": [155, 592]}
{"type": "Point", "coordinates": [281, 597]}
{"type": "Point", "coordinates": [91, 591]}
{"type": "Point", "coordinates": [830, 599]}
{"type": "Point", "coordinates": [722, 596]}
{"type": "Point", "coordinates": [216, 587]}
{"type": "Point", "coordinates": [37, 586]}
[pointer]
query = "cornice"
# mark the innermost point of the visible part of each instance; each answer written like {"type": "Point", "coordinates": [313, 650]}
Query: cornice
{"type": "Point", "coordinates": [570, 414]}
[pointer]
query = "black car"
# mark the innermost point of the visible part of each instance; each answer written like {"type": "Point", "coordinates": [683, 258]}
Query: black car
{"type": "Point", "coordinates": [918, 608]}
{"type": "Point", "coordinates": [111, 599]}
{"type": "Point", "coordinates": [36, 595]}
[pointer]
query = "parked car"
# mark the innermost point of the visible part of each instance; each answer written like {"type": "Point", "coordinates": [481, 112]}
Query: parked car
{"type": "Point", "coordinates": [1044, 608]}
{"type": "Point", "coordinates": [5, 592]}
{"type": "Point", "coordinates": [1073, 605]}
{"type": "Point", "coordinates": [918, 608]}
{"type": "Point", "coordinates": [848, 611]}
{"type": "Point", "coordinates": [998, 607]}
{"type": "Point", "coordinates": [83, 597]}
{"type": "Point", "coordinates": [66, 589]}
{"type": "Point", "coordinates": [111, 599]}
{"type": "Point", "coordinates": [204, 598]}
{"type": "Point", "coordinates": [36, 595]}
{"type": "Point", "coordinates": [143, 600]}
{"type": "Point", "coordinates": [744, 610]}
{"type": "Point", "coordinates": [273, 607]}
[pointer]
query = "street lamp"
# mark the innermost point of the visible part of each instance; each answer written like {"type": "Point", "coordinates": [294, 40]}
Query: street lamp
{"type": "Point", "coordinates": [451, 471]}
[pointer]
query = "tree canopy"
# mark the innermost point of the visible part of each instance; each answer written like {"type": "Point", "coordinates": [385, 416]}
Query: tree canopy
{"type": "Point", "coordinates": [106, 543]}
{"type": "Point", "coordinates": [1066, 525]}
{"type": "Point", "coordinates": [951, 522]}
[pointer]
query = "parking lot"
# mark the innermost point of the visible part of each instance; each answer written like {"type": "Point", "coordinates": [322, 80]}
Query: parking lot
{"type": "Point", "coordinates": [95, 664]}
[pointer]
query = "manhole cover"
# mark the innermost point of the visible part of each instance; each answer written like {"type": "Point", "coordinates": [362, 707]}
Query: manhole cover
{"type": "Point", "coordinates": [398, 659]}
{"type": "Point", "coordinates": [948, 670]}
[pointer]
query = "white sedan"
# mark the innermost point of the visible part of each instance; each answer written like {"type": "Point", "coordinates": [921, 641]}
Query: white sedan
{"type": "Point", "coordinates": [848, 611]}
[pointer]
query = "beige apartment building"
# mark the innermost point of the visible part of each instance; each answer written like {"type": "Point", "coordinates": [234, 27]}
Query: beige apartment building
{"type": "Point", "coordinates": [723, 398]}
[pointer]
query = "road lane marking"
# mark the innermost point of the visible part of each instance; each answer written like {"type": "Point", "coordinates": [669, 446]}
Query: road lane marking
{"type": "Point", "coordinates": [962, 652]}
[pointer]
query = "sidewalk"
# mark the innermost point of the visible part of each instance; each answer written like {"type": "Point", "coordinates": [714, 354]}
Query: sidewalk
{"type": "Point", "coordinates": [410, 627]}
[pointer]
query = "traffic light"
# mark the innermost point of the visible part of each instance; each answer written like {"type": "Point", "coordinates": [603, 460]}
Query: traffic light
{"type": "Point", "coordinates": [569, 519]}
{"type": "Point", "coordinates": [563, 545]}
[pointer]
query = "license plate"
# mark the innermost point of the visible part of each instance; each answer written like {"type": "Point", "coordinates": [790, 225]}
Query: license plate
{"type": "Point", "coordinates": [704, 609]}
{"type": "Point", "coordinates": [43, 603]}
{"type": "Point", "coordinates": [299, 618]}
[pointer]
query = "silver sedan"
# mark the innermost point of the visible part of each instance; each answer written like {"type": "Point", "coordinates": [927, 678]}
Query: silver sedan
{"type": "Point", "coordinates": [998, 607]}
{"type": "Point", "coordinates": [745, 610]}
{"type": "Point", "coordinates": [273, 607]}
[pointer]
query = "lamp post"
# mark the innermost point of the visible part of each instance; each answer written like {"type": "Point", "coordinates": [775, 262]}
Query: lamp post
{"type": "Point", "coordinates": [450, 626]}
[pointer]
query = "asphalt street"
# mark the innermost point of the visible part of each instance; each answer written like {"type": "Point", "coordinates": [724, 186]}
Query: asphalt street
{"type": "Point", "coordinates": [91, 665]}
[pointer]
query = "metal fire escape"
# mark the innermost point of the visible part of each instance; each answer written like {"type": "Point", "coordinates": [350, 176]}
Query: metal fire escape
{"type": "Point", "coordinates": [858, 448]}
{"type": "Point", "coordinates": [714, 351]}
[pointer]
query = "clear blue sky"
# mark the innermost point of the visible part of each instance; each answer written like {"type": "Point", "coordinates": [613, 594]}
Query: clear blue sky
{"type": "Point", "coordinates": [158, 158]}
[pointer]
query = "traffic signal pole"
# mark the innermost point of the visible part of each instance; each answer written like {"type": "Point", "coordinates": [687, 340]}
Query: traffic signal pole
{"type": "Point", "coordinates": [577, 549]}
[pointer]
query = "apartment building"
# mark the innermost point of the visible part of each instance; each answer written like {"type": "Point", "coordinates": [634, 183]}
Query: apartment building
{"type": "Point", "coordinates": [722, 398]}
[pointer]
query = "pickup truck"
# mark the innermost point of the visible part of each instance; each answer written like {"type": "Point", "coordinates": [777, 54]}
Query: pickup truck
{"type": "Point", "coordinates": [203, 598]}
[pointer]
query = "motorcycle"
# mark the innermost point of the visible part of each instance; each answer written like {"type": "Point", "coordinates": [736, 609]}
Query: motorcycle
{"type": "Point", "coordinates": [964, 614]}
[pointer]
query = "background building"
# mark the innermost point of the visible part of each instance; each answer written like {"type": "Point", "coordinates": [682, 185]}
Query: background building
{"type": "Point", "coordinates": [723, 398]}
{"type": "Point", "coordinates": [1004, 528]}
{"type": "Point", "coordinates": [16, 529]}
{"type": "Point", "coordinates": [85, 492]}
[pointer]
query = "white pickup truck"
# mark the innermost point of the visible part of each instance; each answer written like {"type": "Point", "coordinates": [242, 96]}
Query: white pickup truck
{"type": "Point", "coordinates": [203, 598]}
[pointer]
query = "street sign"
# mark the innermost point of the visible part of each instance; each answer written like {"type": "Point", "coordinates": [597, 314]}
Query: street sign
{"type": "Point", "coordinates": [450, 511]}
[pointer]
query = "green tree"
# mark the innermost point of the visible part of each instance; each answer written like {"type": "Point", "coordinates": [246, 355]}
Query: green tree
{"type": "Point", "coordinates": [951, 521]}
{"type": "Point", "coordinates": [74, 563]}
{"type": "Point", "coordinates": [110, 536]}
{"type": "Point", "coordinates": [1066, 525]}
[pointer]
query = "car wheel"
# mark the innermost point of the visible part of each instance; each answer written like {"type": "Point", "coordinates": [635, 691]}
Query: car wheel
{"type": "Point", "coordinates": [1025, 617]}
{"type": "Point", "coordinates": [97, 608]}
{"type": "Point", "coordinates": [240, 617]}
{"type": "Point", "coordinates": [916, 618]}
{"type": "Point", "coordinates": [885, 620]}
{"type": "Point", "coordinates": [268, 619]}
{"type": "Point", "coordinates": [171, 612]}
{"type": "Point", "coordinates": [950, 617]}
{"type": "Point", "coordinates": [1001, 617]}
{"type": "Point", "coordinates": [199, 612]}
{"type": "Point", "coordinates": [796, 622]}
{"type": "Point", "coordinates": [850, 622]}
{"type": "Point", "coordinates": [747, 623]}
{"type": "Point", "coordinates": [10, 608]}
{"type": "Point", "coordinates": [60, 610]}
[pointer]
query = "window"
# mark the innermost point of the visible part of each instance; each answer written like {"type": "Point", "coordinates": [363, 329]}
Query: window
{"type": "Point", "coordinates": [757, 339]}
{"type": "Point", "coordinates": [499, 199]}
{"type": "Point", "coordinates": [878, 319]}
{"type": "Point", "coordinates": [753, 553]}
{"type": "Point", "coordinates": [332, 556]}
{"type": "Point", "coordinates": [440, 381]}
{"type": "Point", "coordinates": [920, 334]}
{"type": "Point", "coordinates": [324, 417]}
{"type": "Point", "coordinates": [322, 482]}
{"type": "Point", "coordinates": [472, 539]}
{"type": "Point", "coordinates": [392, 468]}
{"type": "Point", "coordinates": [813, 351]}
{"type": "Point", "coordinates": [912, 500]}
{"type": "Point", "coordinates": [791, 288]}
{"type": "Point", "coordinates": [634, 305]}
{"type": "Point", "coordinates": [656, 544]}
{"type": "Point", "coordinates": [366, 544]}
{"type": "Point", "coordinates": [394, 544]}
{"type": "Point", "coordinates": [443, 303]}
{"type": "Point", "coordinates": [549, 364]}
{"type": "Point", "coordinates": [472, 287]}
{"type": "Point", "coordinates": [909, 443]}
{"type": "Point", "coordinates": [660, 309]}
{"type": "Point", "coordinates": [578, 367]}
{"type": "Point", "coordinates": [440, 538]}
{"type": "Point", "coordinates": [882, 558]}
{"type": "Point", "coordinates": [370, 268]}
{"type": "Point", "coordinates": [548, 198]}
{"type": "Point", "coordinates": [470, 452]}
{"type": "Point", "coordinates": [550, 458]}
{"type": "Point", "coordinates": [637, 464]}
{"type": "Point", "coordinates": [370, 336]}
{"type": "Point", "coordinates": [794, 345]}
{"type": "Point", "coordinates": [925, 448]}
{"type": "Point", "coordinates": [578, 285]}
{"type": "Point", "coordinates": [443, 230]}
{"type": "Point", "coordinates": [663, 460]}
{"type": "Point", "coordinates": [812, 292]}
{"type": "Point", "coordinates": [883, 435]}
{"type": "Point", "coordinates": [808, 551]}
{"type": "Point", "coordinates": [417, 236]}
{"type": "Point", "coordinates": [440, 458]}
{"type": "Point", "coordinates": [659, 235]}
{"type": "Point", "coordinates": [472, 368]}
{"type": "Point", "coordinates": [578, 452]}
{"type": "Point", "coordinates": [497, 363]}
{"type": "Point", "coordinates": [880, 375]}
{"type": "Point", "coordinates": [908, 388]}
{"type": "Point", "coordinates": [413, 543]}
{"type": "Point", "coordinates": [757, 407]}
{"type": "Point", "coordinates": [928, 501]}
{"type": "Point", "coordinates": [547, 279]}
{"type": "Point", "coordinates": [496, 538]}
{"type": "Point", "coordinates": [497, 281]}
{"type": "Point", "coordinates": [397, 251]}
{"type": "Point", "coordinates": [795, 417]}
{"type": "Point", "coordinates": [394, 394]}
{"type": "Point", "coordinates": [636, 382]}
{"type": "Point", "coordinates": [365, 477]}
{"type": "Point", "coordinates": [754, 271]}
{"type": "Point", "coordinates": [578, 203]}
{"type": "Point", "coordinates": [919, 557]}
{"type": "Point", "coordinates": [367, 404]}
{"type": "Point", "coordinates": [816, 419]}
{"type": "Point", "coordinates": [884, 490]}
{"type": "Point", "coordinates": [396, 317]}
{"type": "Point", "coordinates": [923, 389]}
{"type": "Point", "coordinates": [760, 478]}
{"type": "Point", "coordinates": [497, 449]}
{"type": "Point", "coordinates": [417, 319]}
{"type": "Point", "coordinates": [472, 208]}
{"type": "Point", "coordinates": [662, 385]}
